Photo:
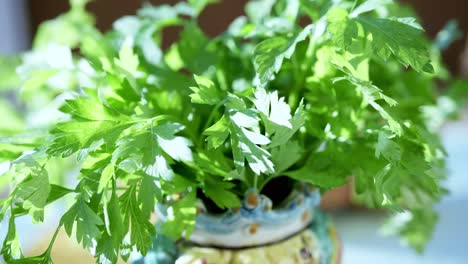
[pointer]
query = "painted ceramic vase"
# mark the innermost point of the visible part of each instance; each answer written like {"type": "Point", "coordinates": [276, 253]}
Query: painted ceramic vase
{"type": "Point", "coordinates": [293, 232]}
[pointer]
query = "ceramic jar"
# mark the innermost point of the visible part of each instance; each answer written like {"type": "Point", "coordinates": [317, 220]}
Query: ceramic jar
{"type": "Point", "coordinates": [294, 232]}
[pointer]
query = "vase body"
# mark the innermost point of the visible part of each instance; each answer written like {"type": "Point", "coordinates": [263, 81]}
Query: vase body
{"type": "Point", "coordinates": [294, 232]}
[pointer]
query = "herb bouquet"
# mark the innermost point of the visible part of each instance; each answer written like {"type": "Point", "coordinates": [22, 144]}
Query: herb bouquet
{"type": "Point", "coordinates": [229, 140]}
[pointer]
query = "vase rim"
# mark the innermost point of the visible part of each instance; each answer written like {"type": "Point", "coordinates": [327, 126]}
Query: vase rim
{"type": "Point", "coordinates": [256, 222]}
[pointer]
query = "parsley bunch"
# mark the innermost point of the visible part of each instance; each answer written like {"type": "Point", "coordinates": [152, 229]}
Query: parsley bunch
{"type": "Point", "coordinates": [349, 95]}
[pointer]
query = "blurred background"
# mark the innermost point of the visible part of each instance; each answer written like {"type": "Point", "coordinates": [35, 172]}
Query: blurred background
{"type": "Point", "coordinates": [19, 20]}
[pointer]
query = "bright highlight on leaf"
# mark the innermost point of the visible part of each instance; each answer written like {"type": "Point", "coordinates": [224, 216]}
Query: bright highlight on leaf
{"type": "Point", "coordinates": [206, 92]}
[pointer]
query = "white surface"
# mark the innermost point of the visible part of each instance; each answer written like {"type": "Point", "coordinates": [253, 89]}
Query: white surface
{"type": "Point", "coordinates": [359, 231]}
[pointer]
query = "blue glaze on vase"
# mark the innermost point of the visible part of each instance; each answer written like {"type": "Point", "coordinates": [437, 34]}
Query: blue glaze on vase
{"type": "Point", "coordinates": [232, 220]}
{"type": "Point", "coordinates": [257, 225]}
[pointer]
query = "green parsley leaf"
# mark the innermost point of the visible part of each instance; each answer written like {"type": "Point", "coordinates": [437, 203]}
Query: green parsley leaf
{"type": "Point", "coordinates": [321, 170]}
{"type": "Point", "coordinates": [370, 93]}
{"type": "Point", "coordinates": [206, 92]}
{"type": "Point", "coordinates": [415, 227]}
{"type": "Point", "coordinates": [270, 53]}
{"type": "Point", "coordinates": [286, 155]}
{"type": "Point", "coordinates": [140, 228]}
{"type": "Point", "coordinates": [11, 249]}
{"type": "Point", "coordinates": [213, 162]}
{"type": "Point", "coordinates": [387, 37]}
{"type": "Point", "coordinates": [242, 125]}
{"type": "Point", "coordinates": [128, 60]}
{"type": "Point", "coordinates": [175, 146]}
{"type": "Point", "coordinates": [145, 148]}
{"type": "Point", "coordinates": [387, 148]}
{"type": "Point", "coordinates": [34, 191]}
{"type": "Point", "coordinates": [195, 50]}
{"type": "Point", "coordinates": [219, 192]}
{"type": "Point", "coordinates": [86, 223]}
{"type": "Point", "coordinates": [217, 133]}
{"type": "Point", "coordinates": [273, 108]}
{"type": "Point", "coordinates": [283, 134]}
{"type": "Point", "coordinates": [107, 249]}
{"type": "Point", "coordinates": [93, 123]}
{"type": "Point", "coordinates": [106, 176]}
{"type": "Point", "coordinates": [180, 217]}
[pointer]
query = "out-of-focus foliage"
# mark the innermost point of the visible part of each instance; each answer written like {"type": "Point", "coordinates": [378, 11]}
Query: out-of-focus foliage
{"type": "Point", "coordinates": [8, 77]}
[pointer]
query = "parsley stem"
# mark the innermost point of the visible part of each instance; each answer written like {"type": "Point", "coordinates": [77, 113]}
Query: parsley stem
{"type": "Point", "coordinates": [52, 241]}
{"type": "Point", "coordinates": [212, 115]}
{"type": "Point", "coordinates": [255, 183]}
{"type": "Point", "coordinates": [354, 5]}
{"type": "Point", "coordinates": [267, 180]}
{"type": "Point", "coordinates": [309, 58]}
{"type": "Point", "coordinates": [153, 119]}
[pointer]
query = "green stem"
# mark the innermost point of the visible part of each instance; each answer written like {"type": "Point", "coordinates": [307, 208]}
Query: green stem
{"type": "Point", "coordinates": [267, 180]}
{"type": "Point", "coordinates": [52, 241]}
{"type": "Point", "coordinates": [212, 115]}
{"type": "Point", "coordinates": [152, 119]}
{"type": "Point", "coordinates": [296, 69]}
{"type": "Point", "coordinates": [309, 59]}
{"type": "Point", "coordinates": [354, 5]}
{"type": "Point", "coordinates": [255, 182]}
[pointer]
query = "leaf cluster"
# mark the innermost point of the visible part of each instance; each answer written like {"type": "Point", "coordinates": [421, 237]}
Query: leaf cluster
{"type": "Point", "coordinates": [347, 96]}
